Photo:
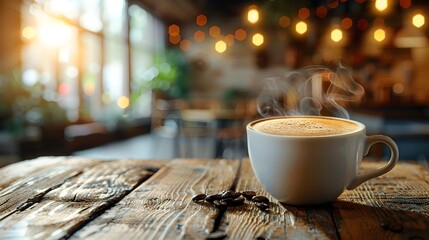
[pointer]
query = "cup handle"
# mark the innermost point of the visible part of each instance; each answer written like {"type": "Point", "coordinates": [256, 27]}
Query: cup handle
{"type": "Point", "coordinates": [369, 141]}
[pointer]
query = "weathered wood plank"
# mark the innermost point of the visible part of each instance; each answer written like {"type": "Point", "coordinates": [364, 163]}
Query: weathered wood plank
{"type": "Point", "coordinates": [78, 200]}
{"type": "Point", "coordinates": [161, 208]}
{"type": "Point", "coordinates": [399, 198]}
{"type": "Point", "coordinates": [281, 222]}
{"type": "Point", "coordinates": [27, 191]}
{"type": "Point", "coordinates": [405, 185]}
{"type": "Point", "coordinates": [13, 172]}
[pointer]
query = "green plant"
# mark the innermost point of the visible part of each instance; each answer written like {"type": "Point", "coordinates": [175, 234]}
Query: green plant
{"type": "Point", "coordinates": [167, 76]}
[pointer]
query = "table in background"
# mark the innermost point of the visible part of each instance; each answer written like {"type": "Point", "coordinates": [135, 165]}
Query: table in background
{"type": "Point", "coordinates": [69, 197]}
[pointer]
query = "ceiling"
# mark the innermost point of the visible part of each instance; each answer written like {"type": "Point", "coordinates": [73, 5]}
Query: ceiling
{"type": "Point", "coordinates": [187, 10]}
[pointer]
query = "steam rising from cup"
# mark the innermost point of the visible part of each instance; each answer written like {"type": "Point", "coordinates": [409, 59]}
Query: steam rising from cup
{"type": "Point", "coordinates": [315, 90]}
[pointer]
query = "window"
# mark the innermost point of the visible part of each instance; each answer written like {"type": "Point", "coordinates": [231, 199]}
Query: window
{"type": "Point", "coordinates": [89, 57]}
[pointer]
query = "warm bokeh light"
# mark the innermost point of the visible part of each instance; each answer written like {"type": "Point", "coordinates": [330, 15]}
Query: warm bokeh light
{"type": "Point", "coordinates": [220, 46]}
{"type": "Point", "coordinates": [362, 24]}
{"type": "Point", "coordinates": [405, 3]}
{"type": "Point", "coordinates": [284, 21]}
{"type": "Point", "coordinates": [253, 14]}
{"type": "Point", "coordinates": [54, 33]}
{"type": "Point", "coordinates": [28, 33]}
{"type": "Point", "coordinates": [257, 39]}
{"type": "Point", "coordinates": [381, 5]}
{"type": "Point", "coordinates": [185, 45]}
{"type": "Point", "coordinates": [174, 39]}
{"type": "Point", "coordinates": [199, 36]}
{"type": "Point", "coordinates": [304, 13]}
{"type": "Point", "coordinates": [301, 27]}
{"type": "Point", "coordinates": [214, 31]}
{"type": "Point", "coordinates": [201, 20]}
{"type": "Point", "coordinates": [229, 39]}
{"type": "Point", "coordinates": [123, 102]}
{"type": "Point", "coordinates": [336, 35]}
{"type": "Point", "coordinates": [418, 20]}
{"type": "Point", "coordinates": [379, 35]}
{"type": "Point", "coordinates": [240, 34]}
{"type": "Point", "coordinates": [346, 23]}
{"type": "Point", "coordinates": [332, 3]}
{"type": "Point", "coordinates": [173, 30]}
{"type": "Point", "coordinates": [321, 11]}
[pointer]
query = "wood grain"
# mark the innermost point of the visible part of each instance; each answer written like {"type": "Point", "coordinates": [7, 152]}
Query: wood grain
{"type": "Point", "coordinates": [77, 200]}
{"type": "Point", "coordinates": [13, 172]}
{"type": "Point", "coordinates": [280, 222]}
{"type": "Point", "coordinates": [161, 208]}
{"type": "Point", "coordinates": [27, 191]}
{"type": "Point", "coordinates": [400, 197]}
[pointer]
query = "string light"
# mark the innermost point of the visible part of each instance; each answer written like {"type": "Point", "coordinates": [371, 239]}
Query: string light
{"type": "Point", "coordinates": [173, 30]}
{"type": "Point", "coordinates": [220, 46]}
{"type": "Point", "coordinates": [332, 3]}
{"type": "Point", "coordinates": [201, 20]}
{"type": "Point", "coordinates": [257, 39]}
{"type": "Point", "coordinates": [185, 45]}
{"type": "Point", "coordinates": [214, 31]}
{"type": "Point", "coordinates": [253, 14]}
{"type": "Point", "coordinates": [199, 36]}
{"type": "Point", "coordinates": [418, 20]}
{"type": "Point", "coordinates": [301, 27]}
{"type": "Point", "coordinates": [336, 35]}
{"type": "Point", "coordinates": [347, 23]}
{"type": "Point", "coordinates": [284, 21]}
{"type": "Point", "coordinates": [362, 24]}
{"type": "Point", "coordinates": [321, 11]}
{"type": "Point", "coordinates": [379, 35]}
{"type": "Point", "coordinates": [405, 3]}
{"type": "Point", "coordinates": [229, 39]}
{"type": "Point", "coordinates": [304, 13]}
{"type": "Point", "coordinates": [381, 5]}
{"type": "Point", "coordinates": [174, 39]}
{"type": "Point", "coordinates": [240, 34]}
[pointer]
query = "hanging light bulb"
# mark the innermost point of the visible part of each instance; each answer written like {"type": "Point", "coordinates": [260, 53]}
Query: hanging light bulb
{"type": "Point", "coordinates": [220, 46]}
{"type": "Point", "coordinates": [379, 35]}
{"type": "Point", "coordinates": [301, 27]}
{"type": "Point", "coordinates": [336, 35]}
{"type": "Point", "coordinates": [258, 39]}
{"type": "Point", "coordinates": [418, 20]}
{"type": "Point", "coordinates": [381, 5]}
{"type": "Point", "coordinates": [253, 14]}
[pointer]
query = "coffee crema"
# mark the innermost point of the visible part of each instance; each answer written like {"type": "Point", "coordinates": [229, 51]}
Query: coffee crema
{"type": "Point", "coordinates": [302, 126]}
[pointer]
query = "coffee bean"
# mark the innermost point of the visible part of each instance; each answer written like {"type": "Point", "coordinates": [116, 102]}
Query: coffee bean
{"type": "Point", "coordinates": [396, 227]}
{"type": "Point", "coordinates": [230, 194]}
{"type": "Point", "coordinates": [260, 199]}
{"type": "Point", "coordinates": [237, 201]}
{"type": "Point", "coordinates": [213, 197]}
{"type": "Point", "coordinates": [199, 197]}
{"type": "Point", "coordinates": [248, 194]}
{"type": "Point", "coordinates": [220, 203]}
{"type": "Point", "coordinates": [263, 206]}
{"type": "Point", "coordinates": [385, 225]}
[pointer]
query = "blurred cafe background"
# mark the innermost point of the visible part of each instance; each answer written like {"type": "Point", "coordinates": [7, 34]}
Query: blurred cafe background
{"type": "Point", "coordinates": [162, 79]}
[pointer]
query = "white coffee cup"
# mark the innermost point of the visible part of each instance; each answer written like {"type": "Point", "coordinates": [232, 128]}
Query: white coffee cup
{"type": "Point", "coordinates": [312, 169]}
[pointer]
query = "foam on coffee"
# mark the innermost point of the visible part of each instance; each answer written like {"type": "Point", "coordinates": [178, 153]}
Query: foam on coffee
{"type": "Point", "coordinates": [301, 126]}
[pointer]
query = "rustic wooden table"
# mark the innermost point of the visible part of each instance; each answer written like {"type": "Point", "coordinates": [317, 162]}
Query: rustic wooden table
{"type": "Point", "coordinates": [56, 198]}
